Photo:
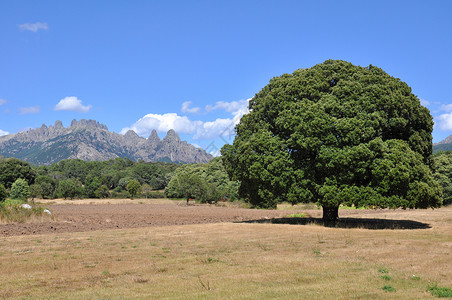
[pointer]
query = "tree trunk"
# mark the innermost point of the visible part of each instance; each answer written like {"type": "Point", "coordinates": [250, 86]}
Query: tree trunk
{"type": "Point", "coordinates": [330, 215]}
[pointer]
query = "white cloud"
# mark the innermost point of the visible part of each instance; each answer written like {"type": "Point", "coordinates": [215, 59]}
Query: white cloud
{"type": "Point", "coordinates": [2, 132]}
{"type": "Point", "coordinates": [215, 153]}
{"type": "Point", "coordinates": [222, 128]}
{"type": "Point", "coordinates": [181, 124]}
{"type": "Point", "coordinates": [72, 104]}
{"type": "Point", "coordinates": [2, 101]}
{"type": "Point", "coordinates": [29, 110]}
{"type": "Point", "coordinates": [424, 102]}
{"type": "Point", "coordinates": [186, 108]}
{"type": "Point", "coordinates": [33, 27]}
{"type": "Point", "coordinates": [232, 107]}
{"type": "Point", "coordinates": [445, 121]}
{"type": "Point", "coordinates": [163, 123]}
{"type": "Point", "coordinates": [446, 107]}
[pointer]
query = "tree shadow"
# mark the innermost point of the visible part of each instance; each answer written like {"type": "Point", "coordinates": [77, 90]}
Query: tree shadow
{"type": "Point", "coordinates": [375, 224]}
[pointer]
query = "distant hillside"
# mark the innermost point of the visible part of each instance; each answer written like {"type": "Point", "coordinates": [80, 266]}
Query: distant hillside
{"type": "Point", "coordinates": [444, 145]}
{"type": "Point", "coordinates": [89, 140]}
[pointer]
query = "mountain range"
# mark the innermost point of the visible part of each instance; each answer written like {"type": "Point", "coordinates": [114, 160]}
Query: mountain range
{"type": "Point", "coordinates": [91, 141]}
{"type": "Point", "coordinates": [444, 145]}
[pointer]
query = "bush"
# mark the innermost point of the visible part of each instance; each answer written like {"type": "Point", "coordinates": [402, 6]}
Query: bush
{"type": "Point", "coordinates": [441, 292]}
{"type": "Point", "coordinates": [20, 189]}
{"type": "Point", "coordinates": [388, 288]}
{"type": "Point", "coordinates": [3, 193]}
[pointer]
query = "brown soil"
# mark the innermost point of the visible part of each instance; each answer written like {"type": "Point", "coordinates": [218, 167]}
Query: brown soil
{"type": "Point", "coordinates": [88, 217]}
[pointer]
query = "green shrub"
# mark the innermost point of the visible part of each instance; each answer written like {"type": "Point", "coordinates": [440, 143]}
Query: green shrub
{"type": "Point", "coordinates": [3, 193]}
{"type": "Point", "coordinates": [302, 215]}
{"type": "Point", "coordinates": [20, 189]}
{"type": "Point", "coordinates": [388, 288]}
{"type": "Point", "coordinates": [441, 292]}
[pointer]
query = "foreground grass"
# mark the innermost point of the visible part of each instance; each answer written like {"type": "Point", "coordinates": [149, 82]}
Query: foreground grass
{"type": "Point", "coordinates": [235, 261]}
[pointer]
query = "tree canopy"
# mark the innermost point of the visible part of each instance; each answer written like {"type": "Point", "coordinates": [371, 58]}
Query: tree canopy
{"type": "Point", "coordinates": [204, 182]}
{"type": "Point", "coordinates": [20, 189]}
{"type": "Point", "coordinates": [335, 133]}
{"type": "Point", "coordinates": [95, 179]}
{"type": "Point", "coordinates": [133, 187]}
{"type": "Point", "coordinates": [12, 169]}
{"type": "Point", "coordinates": [443, 173]}
{"type": "Point", "coordinates": [3, 193]}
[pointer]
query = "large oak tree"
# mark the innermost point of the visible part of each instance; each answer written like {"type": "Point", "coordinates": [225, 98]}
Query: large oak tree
{"type": "Point", "coordinates": [335, 134]}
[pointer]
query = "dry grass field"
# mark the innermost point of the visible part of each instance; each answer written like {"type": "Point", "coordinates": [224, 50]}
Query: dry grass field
{"type": "Point", "coordinates": [235, 260]}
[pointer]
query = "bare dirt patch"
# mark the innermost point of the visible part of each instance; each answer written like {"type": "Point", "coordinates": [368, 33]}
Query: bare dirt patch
{"type": "Point", "coordinates": [95, 214]}
{"type": "Point", "coordinates": [102, 215]}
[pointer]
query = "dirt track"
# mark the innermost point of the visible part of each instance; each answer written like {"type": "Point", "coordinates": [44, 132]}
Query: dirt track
{"type": "Point", "coordinates": [88, 217]}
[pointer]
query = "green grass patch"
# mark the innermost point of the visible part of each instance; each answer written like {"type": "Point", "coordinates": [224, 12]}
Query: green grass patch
{"type": "Point", "coordinates": [440, 292]}
{"type": "Point", "coordinates": [9, 202]}
{"type": "Point", "coordinates": [301, 215]}
{"type": "Point", "coordinates": [383, 270]}
{"type": "Point", "coordinates": [386, 277]}
{"type": "Point", "coordinates": [210, 260]}
{"type": "Point", "coordinates": [388, 288]}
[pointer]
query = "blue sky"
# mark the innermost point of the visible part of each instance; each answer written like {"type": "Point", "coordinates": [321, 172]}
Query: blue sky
{"type": "Point", "coordinates": [192, 65]}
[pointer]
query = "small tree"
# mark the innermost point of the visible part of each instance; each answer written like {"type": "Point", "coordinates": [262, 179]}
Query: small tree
{"type": "Point", "coordinates": [133, 187]}
{"type": "Point", "coordinates": [122, 183]}
{"type": "Point", "coordinates": [47, 184]}
{"type": "Point", "coordinates": [20, 189]}
{"type": "Point", "coordinates": [146, 190]}
{"type": "Point", "coordinates": [68, 188]}
{"type": "Point", "coordinates": [91, 188]}
{"type": "Point", "coordinates": [35, 191]}
{"type": "Point", "coordinates": [188, 186]}
{"type": "Point", "coordinates": [12, 169]}
{"type": "Point", "coordinates": [102, 191]}
{"type": "Point", "coordinates": [3, 193]}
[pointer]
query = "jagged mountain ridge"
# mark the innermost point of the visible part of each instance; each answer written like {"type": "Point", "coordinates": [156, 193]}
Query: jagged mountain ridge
{"type": "Point", "coordinates": [444, 145]}
{"type": "Point", "coordinates": [89, 140]}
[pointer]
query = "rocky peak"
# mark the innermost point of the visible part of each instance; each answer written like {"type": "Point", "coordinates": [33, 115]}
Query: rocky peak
{"type": "Point", "coordinates": [131, 135]}
{"type": "Point", "coordinates": [58, 124]}
{"type": "Point", "coordinates": [172, 136]}
{"type": "Point", "coordinates": [154, 137]}
{"type": "Point", "coordinates": [91, 124]}
{"type": "Point", "coordinates": [447, 140]}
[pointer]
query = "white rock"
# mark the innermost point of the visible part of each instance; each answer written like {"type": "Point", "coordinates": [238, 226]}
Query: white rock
{"type": "Point", "coordinates": [47, 211]}
{"type": "Point", "coordinates": [26, 206]}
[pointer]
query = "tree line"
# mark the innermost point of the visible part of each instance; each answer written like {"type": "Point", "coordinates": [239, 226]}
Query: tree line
{"type": "Point", "coordinates": [115, 178]}
{"type": "Point", "coordinates": [74, 178]}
